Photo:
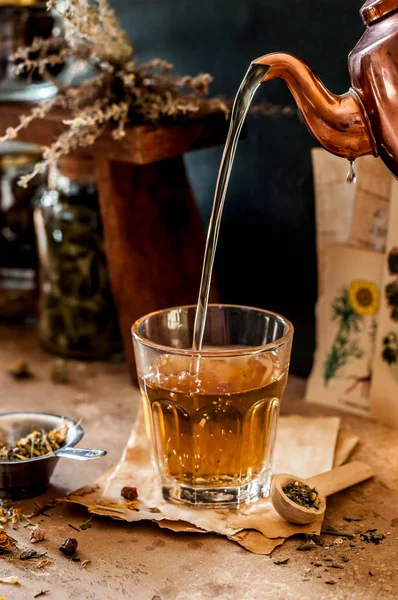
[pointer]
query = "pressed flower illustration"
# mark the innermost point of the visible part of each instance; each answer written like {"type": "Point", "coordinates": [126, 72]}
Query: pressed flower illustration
{"type": "Point", "coordinates": [391, 289]}
{"type": "Point", "coordinates": [361, 299]}
{"type": "Point", "coordinates": [390, 348]}
{"type": "Point", "coordinates": [364, 297]}
{"type": "Point", "coordinates": [343, 349]}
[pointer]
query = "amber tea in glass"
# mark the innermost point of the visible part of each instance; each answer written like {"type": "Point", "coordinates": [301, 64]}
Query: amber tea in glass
{"type": "Point", "coordinates": [211, 415]}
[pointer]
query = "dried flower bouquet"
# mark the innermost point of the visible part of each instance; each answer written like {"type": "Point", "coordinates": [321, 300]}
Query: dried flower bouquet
{"type": "Point", "coordinates": [120, 91]}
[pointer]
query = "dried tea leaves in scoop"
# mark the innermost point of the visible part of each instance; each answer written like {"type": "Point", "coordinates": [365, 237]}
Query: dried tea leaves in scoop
{"type": "Point", "coordinates": [302, 494]}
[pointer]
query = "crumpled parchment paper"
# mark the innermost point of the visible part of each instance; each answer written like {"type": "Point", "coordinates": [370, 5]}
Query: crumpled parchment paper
{"type": "Point", "coordinates": [305, 446]}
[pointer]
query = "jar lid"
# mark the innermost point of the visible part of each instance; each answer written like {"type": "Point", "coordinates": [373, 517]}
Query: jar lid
{"type": "Point", "coordinates": [374, 10]}
{"type": "Point", "coordinates": [21, 159]}
{"type": "Point", "coordinates": [22, 2]}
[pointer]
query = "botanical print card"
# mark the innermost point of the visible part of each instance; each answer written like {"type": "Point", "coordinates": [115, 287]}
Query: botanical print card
{"type": "Point", "coordinates": [346, 326]}
{"type": "Point", "coordinates": [334, 202]}
{"type": "Point", "coordinates": [371, 204]}
{"type": "Point", "coordinates": [384, 388]}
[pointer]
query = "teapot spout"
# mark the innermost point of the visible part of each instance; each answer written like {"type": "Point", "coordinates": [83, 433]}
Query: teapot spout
{"type": "Point", "coordinates": [339, 123]}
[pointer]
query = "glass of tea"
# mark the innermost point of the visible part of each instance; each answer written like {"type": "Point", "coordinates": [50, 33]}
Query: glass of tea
{"type": "Point", "coordinates": [211, 416]}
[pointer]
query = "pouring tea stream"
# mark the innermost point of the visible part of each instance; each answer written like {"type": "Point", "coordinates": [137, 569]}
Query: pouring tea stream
{"type": "Point", "coordinates": [360, 122]}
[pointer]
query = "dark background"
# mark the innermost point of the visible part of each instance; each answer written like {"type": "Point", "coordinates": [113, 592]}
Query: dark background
{"type": "Point", "coordinates": [266, 255]}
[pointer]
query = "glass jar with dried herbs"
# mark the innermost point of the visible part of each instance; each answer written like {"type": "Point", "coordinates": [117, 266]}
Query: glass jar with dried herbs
{"type": "Point", "coordinates": [18, 290]}
{"type": "Point", "coordinates": [77, 313]}
{"type": "Point", "coordinates": [22, 23]}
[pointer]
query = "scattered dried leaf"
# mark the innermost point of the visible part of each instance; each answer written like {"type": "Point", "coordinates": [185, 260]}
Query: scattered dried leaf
{"type": "Point", "coordinates": [281, 562]}
{"type": "Point", "coordinates": [59, 371]}
{"type": "Point", "coordinates": [372, 536]}
{"type": "Point", "coordinates": [42, 563]}
{"type": "Point", "coordinates": [305, 546]}
{"type": "Point", "coordinates": [129, 493]}
{"type": "Point", "coordinates": [37, 534]}
{"type": "Point", "coordinates": [86, 524]}
{"type": "Point", "coordinates": [341, 534]}
{"type": "Point", "coordinates": [7, 543]}
{"type": "Point", "coordinates": [12, 579]}
{"type": "Point", "coordinates": [19, 370]}
{"type": "Point", "coordinates": [41, 593]}
{"type": "Point", "coordinates": [42, 509]}
{"type": "Point", "coordinates": [85, 563]}
{"type": "Point", "coordinates": [68, 546]}
{"type": "Point", "coordinates": [31, 553]}
{"type": "Point", "coordinates": [344, 558]}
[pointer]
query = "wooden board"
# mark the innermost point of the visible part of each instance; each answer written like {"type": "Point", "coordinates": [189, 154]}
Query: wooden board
{"type": "Point", "coordinates": [143, 144]}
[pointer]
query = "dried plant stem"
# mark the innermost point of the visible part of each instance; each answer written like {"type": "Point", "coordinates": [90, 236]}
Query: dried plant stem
{"type": "Point", "coordinates": [120, 92]}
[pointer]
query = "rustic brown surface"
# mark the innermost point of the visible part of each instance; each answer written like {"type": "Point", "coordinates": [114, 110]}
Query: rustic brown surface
{"type": "Point", "coordinates": [143, 144]}
{"type": "Point", "coordinates": [154, 238]}
{"type": "Point", "coordinates": [143, 561]}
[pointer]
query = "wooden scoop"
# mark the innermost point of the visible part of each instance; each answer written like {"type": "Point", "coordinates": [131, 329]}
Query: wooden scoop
{"type": "Point", "coordinates": [325, 484]}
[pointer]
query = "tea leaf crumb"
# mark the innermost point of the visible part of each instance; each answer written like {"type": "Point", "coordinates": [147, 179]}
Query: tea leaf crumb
{"type": "Point", "coordinates": [129, 493]}
{"type": "Point", "coordinates": [305, 546]}
{"type": "Point", "coordinates": [281, 562]}
{"type": "Point", "coordinates": [31, 553]}
{"type": "Point", "coordinates": [20, 369]}
{"type": "Point", "coordinates": [372, 536]}
{"type": "Point", "coordinates": [68, 546]}
{"type": "Point", "coordinates": [59, 371]}
{"type": "Point", "coordinates": [42, 563]}
{"type": "Point", "coordinates": [344, 558]}
{"type": "Point", "coordinates": [86, 524]}
{"type": "Point", "coordinates": [12, 579]}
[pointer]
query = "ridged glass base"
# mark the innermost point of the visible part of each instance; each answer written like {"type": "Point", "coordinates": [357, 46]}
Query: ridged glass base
{"type": "Point", "coordinates": [219, 497]}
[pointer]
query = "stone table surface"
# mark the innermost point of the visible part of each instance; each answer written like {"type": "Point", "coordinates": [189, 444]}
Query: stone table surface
{"type": "Point", "coordinates": [144, 562]}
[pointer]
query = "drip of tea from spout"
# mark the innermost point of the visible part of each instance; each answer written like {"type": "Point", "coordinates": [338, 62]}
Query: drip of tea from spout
{"type": "Point", "coordinates": [351, 175]}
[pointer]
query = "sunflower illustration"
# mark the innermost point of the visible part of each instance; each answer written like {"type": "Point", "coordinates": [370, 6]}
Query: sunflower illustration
{"type": "Point", "coordinates": [364, 297]}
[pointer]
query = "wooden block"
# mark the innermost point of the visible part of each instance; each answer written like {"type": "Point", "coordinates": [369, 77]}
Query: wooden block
{"type": "Point", "coordinates": [143, 144]}
{"type": "Point", "coordinates": [154, 238]}
{"type": "Point", "coordinates": [372, 197]}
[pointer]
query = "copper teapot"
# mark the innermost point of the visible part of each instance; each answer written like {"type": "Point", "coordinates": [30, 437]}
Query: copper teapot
{"type": "Point", "coordinates": [365, 119]}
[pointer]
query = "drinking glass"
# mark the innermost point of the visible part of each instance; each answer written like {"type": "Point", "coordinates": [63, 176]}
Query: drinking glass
{"type": "Point", "coordinates": [211, 416]}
